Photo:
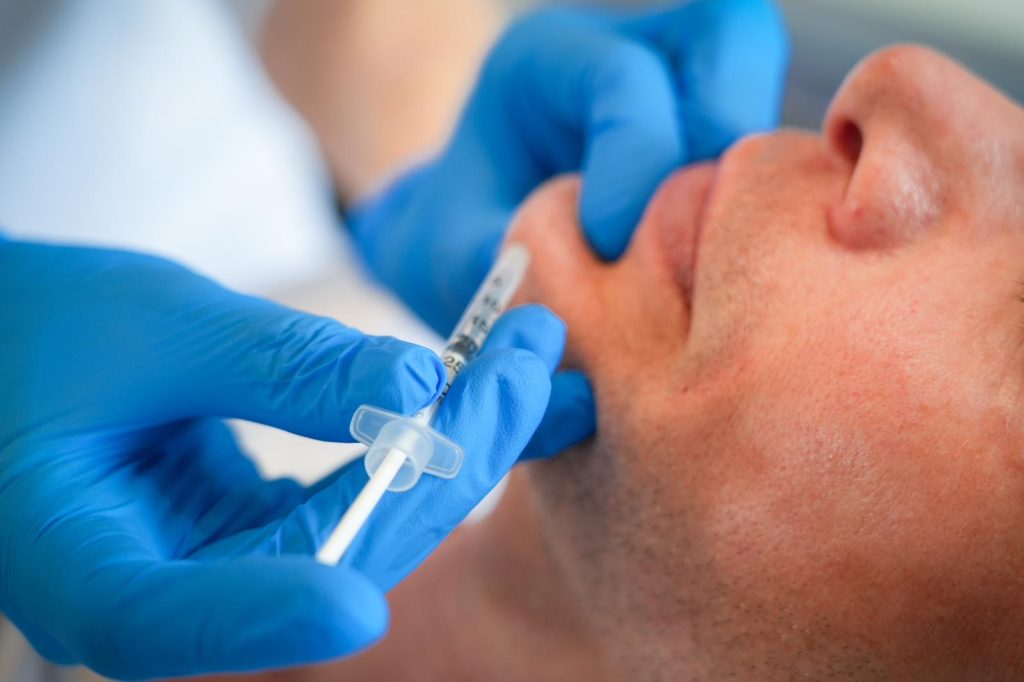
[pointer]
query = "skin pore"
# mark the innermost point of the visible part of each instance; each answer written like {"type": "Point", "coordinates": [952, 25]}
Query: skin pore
{"type": "Point", "coordinates": [810, 454]}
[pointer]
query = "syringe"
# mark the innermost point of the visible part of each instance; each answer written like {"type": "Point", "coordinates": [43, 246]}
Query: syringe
{"type": "Point", "coordinates": [401, 448]}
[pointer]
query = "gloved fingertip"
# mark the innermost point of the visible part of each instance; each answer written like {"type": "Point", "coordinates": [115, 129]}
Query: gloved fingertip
{"type": "Point", "coordinates": [530, 327]}
{"type": "Point", "coordinates": [423, 371]}
{"type": "Point", "coordinates": [608, 232]}
{"type": "Point", "coordinates": [571, 416]}
{"type": "Point", "coordinates": [709, 136]}
{"type": "Point", "coordinates": [394, 375]}
{"type": "Point", "coordinates": [615, 194]}
{"type": "Point", "coordinates": [499, 398]}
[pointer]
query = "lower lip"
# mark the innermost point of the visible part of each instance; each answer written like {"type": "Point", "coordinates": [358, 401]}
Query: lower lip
{"type": "Point", "coordinates": [677, 212]}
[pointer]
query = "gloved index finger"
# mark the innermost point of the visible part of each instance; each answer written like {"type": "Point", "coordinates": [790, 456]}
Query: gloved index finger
{"type": "Point", "coordinates": [252, 359]}
{"type": "Point", "coordinates": [612, 97]}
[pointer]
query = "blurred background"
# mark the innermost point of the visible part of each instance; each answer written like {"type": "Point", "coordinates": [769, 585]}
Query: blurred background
{"type": "Point", "coordinates": [830, 36]}
{"type": "Point", "coordinates": [164, 126]}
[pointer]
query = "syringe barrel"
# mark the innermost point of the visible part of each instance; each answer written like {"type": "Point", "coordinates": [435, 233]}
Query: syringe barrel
{"type": "Point", "coordinates": [470, 333]}
{"type": "Point", "coordinates": [402, 448]}
{"type": "Point", "coordinates": [425, 449]}
{"type": "Point", "coordinates": [489, 302]}
{"type": "Point", "coordinates": [454, 362]}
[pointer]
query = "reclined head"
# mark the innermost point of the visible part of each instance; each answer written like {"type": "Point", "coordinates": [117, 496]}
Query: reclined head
{"type": "Point", "coordinates": [809, 369]}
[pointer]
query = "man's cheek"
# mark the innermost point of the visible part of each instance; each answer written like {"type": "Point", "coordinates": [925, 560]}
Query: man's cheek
{"type": "Point", "coordinates": [828, 489]}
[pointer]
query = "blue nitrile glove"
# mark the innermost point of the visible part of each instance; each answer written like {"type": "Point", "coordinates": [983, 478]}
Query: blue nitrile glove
{"type": "Point", "coordinates": [479, 413]}
{"type": "Point", "coordinates": [136, 537]}
{"type": "Point", "coordinates": [624, 97]}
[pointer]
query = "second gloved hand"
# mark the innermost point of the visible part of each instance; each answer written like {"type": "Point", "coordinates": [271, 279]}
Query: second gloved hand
{"type": "Point", "coordinates": [625, 98]}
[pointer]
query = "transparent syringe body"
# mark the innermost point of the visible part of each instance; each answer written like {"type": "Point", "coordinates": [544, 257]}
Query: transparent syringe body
{"type": "Point", "coordinates": [426, 450]}
{"type": "Point", "coordinates": [401, 448]}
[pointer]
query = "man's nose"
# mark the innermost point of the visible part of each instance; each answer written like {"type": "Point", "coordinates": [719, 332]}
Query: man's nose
{"type": "Point", "coordinates": [896, 123]}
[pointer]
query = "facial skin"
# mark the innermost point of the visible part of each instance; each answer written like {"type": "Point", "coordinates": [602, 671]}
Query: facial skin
{"type": "Point", "coordinates": [810, 455]}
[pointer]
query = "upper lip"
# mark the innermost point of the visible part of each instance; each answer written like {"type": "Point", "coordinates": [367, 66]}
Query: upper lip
{"type": "Point", "coordinates": [685, 212]}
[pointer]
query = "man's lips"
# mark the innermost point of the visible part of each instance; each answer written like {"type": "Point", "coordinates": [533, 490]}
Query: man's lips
{"type": "Point", "coordinates": [677, 215]}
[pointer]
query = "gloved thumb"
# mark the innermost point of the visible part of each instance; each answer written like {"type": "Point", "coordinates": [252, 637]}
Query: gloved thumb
{"type": "Point", "coordinates": [253, 359]}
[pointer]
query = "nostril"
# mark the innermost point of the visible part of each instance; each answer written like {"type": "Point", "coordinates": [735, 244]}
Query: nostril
{"type": "Point", "coordinates": [849, 140]}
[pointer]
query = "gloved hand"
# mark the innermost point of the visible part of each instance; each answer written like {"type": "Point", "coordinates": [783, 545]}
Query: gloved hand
{"type": "Point", "coordinates": [136, 537]}
{"type": "Point", "coordinates": [484, 415]}
{"type": "Point", "coordinates": [625, 98]}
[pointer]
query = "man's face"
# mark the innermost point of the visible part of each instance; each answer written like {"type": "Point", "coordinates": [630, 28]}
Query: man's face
{"type": "Point", "coordinates": [809, 369]}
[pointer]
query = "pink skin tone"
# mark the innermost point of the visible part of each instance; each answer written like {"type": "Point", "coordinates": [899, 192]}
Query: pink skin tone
{"type": "Point", "coordinates": [810, 457]}
{"type": "Point", "coordinates": [809, 372]}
